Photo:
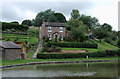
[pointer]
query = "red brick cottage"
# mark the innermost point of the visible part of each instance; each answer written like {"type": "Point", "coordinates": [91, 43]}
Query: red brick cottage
{"type": "Point", "coordinates": [52, 30]}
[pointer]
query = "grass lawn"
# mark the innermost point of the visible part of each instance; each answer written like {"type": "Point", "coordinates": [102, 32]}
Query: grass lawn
{"type": "Point", "coordinates": [105, 46]}
{"type": "Point", "coordinates": [30, 54]}
{"type": "Point", "coordinates": [20, 61]}
{"type": "Point", "coordinates": [101, 47]}
{"type": "Point", "coordinates": [23, 38]}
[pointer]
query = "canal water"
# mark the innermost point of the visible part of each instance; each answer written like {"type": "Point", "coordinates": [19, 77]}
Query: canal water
{"type": "Point", "coordinates": [103, 69]}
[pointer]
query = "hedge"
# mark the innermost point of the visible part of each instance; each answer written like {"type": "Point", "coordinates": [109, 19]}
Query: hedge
{"type": "Point", "coordinates": [107, 53]}
{"type": "Point", "coordinates": [73, 44]}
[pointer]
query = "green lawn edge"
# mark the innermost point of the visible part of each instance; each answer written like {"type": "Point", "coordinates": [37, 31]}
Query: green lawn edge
{"type": "Point", "coordinates": [21, 61]}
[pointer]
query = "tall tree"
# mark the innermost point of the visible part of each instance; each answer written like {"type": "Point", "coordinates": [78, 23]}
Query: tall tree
{"type": "Point", "coordinates": [73, 23]}
{"type": "Point", "coordinates": [27, 22]}
{"type": "Point", "coordinates": [60, 17]}
{"type": "Point", "coordinates": [75, 14]}
{"type": "Point", "coordinates": [100, 33]}
{"type": "Point", "coordinates": [78, 34]}
{"type": "Point", "coordinates": [89, 21]}
{"type": "Point", "coordinates": [107, 27]}
{"type": "Point", "coordinates": [15, 22]}
{"type": "Point", "coordinates": [48, 17]}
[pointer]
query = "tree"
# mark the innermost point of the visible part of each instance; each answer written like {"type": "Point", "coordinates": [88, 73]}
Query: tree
{"type": "Point", "coordinates": [60, 17]}
{"type": "Point", "coordinates": [15, 22]}
{"type": "Point", "coordinates": [27, 22]}
{"type": "Point", "coordinates": [48, 16]}
{"type": "Point", "coordinates": [78, 34]}
{"type": "Point", "coordinates": [100, 33]}
{"type": "Point", "coordinates": [33, 22]}
{"type": "Point", "coordinates": [89, 21]}
{"type": "Point", "coordinates": [73, 23]}
{"type": "Point", "coordinates": [107, 27]}
{"type": "Point", "coordinates": [75, 14]}
{"type": "Point", "coordinates": [118, 43]}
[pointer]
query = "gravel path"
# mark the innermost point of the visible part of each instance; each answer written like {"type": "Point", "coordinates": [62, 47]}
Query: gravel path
{"type": "Point", "coordinates": [38, 48]}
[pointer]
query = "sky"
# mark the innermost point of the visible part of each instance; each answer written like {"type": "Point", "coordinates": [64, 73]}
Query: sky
{"type": "Point", "coordinates": [18, 10]}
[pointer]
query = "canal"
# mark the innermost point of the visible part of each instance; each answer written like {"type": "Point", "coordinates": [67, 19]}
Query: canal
{"type": "Point", "coordinates": [101, 69]}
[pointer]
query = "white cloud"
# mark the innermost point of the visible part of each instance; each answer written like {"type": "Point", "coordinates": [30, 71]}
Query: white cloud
{"type": "Point", "coordinates": [106, 13]}
{"type": "Point", "coordinates": [30, 14]}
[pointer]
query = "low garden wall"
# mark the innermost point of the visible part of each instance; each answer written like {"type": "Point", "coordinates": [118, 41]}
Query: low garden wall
{"type": "Point", "coordinates": [107, 53]}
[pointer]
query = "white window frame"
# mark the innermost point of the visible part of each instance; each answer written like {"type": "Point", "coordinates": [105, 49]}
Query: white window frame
{"type": "Point", "coordinates": [49, 29]}
{"type": "Point", "coordinates": [61, 29]}
{"type": "Point", "coordinates": [40, 34]}
{"type": "Point", "coordinates": [40, 28]}
{"type": "Point", "coordinates": [49, 35]}
{"type": "Point", "coordinates": [61, 37]}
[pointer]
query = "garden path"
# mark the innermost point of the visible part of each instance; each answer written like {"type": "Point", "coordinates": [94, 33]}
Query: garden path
{"type": "Point", "coordinates": [38, 48]}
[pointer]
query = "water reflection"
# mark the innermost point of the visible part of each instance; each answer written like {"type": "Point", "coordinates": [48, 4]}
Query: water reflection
{"type": "Point", "coordinates": [63, 70]}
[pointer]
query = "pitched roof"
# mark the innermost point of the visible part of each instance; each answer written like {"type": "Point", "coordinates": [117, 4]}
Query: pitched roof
{"type": "Point", "coordinates": [54, 24]}
{"type": "Point", "coordinates": [89, 31]}
{"type": "Point", "coordinates": [8, 44]}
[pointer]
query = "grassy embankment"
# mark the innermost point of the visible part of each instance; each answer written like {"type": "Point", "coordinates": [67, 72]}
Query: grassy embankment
{"type": "Point", "coordinates": [31, 39]}
{"type": "Point", "coordinates": [20, 61]}
{"type": "Point", "coordinates": [101, 47]}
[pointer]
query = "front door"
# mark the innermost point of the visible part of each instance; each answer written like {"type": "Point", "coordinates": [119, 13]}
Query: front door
{"type": "Point", "coordinates": [55, 36]}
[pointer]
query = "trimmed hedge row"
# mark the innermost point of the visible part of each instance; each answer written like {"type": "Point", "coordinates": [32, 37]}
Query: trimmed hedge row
{"type": "Point", "coordinates": [107, 53]}
{"type": "Point", "coordinates": [73, 44]}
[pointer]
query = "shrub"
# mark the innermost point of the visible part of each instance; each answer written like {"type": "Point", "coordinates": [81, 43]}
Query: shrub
{"type": "Point", "coordinates": [108, 40]}
{"type": "Point", "coordinates": [73, 44]}
{"type": "Point", "coordinates": [107, 53]}
{"type": "Point", "coordinates": [118, 43]}
{"type": "Point", "coordinates": [59, 38]}
{"type": "Point", "coordinates": [55, 39]}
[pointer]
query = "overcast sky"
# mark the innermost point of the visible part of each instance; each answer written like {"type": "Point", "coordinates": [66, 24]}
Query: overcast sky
{"type": "Point", "coordinates": [105, 10]}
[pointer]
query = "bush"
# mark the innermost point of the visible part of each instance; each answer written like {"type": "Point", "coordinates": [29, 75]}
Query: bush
{"type": "Point", "coordinates": [52, 49]}
{"type": "Point", "coordinates": [73, 44]}
{"type": "Point", "coordinates": [107, 53]}
{"type": "Point", "coordinates": [108, 40]}
{"type": "Point", "coordinates": [118, 43]}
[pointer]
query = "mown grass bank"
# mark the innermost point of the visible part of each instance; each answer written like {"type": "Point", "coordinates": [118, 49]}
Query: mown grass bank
{"type": "Point", "coordinates": [20, 61]}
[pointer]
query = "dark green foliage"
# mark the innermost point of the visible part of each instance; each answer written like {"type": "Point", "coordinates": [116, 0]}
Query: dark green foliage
{"type": "Point", "coordinates": [100, 33]}
{"type": "Point", "coordinates": [108, 40]}
{"type": "Point", "coordinates": [53, 48]}
{"type": "Point", "coordinates": [73, 44]}
{"type": "Point", "coordinates": [75, 14]}
{"type": "Point", "coordinates": [107, 27]}
{"type": "Point", "coordinates": [78, 34]}
{"type": "Point", "coordinates": [6, 26]}
{"type": "Point", "coordinates": [48, 16]}
{"type": "Point", "coordinates": [89, 21]}
{"type": "Point", "coordinates": [59, 38]}
{"type": "Point", "coordinates": [55, 39]}
{"type": "Point", "coordinates": [107, 53]}
{"type": "Point", "coordinates": [118, 43]}
{"type": "Point", "coordinates": [60, 17]}
{"type": "Point", "coordinates": [15, 22]}
{"type": "Point", "coordinates": [27, 22]}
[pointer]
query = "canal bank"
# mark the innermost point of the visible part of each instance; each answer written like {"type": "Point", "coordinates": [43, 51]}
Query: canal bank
{"type": "Point", "coordinates": [59, 62]}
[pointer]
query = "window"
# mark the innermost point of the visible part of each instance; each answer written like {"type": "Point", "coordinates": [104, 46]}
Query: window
{"type": "Point", "coordinates": [40, 28]}
{"type": "Point", "coordinates": [49, 35]}
{"type": "Point", "coordinates": [49, 29]}
{"type": "Point", "coordinates": [40, 34]}
{"type": "Point", "coordinates": [61, 29]}
{"type": "Point", "coordinates": [61, 36]}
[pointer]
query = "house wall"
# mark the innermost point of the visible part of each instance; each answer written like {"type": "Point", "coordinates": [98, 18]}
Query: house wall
{"type": "Point", "coordinates": [11, 54]}
{"type": "Point", "coordinates": [44, 31]}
